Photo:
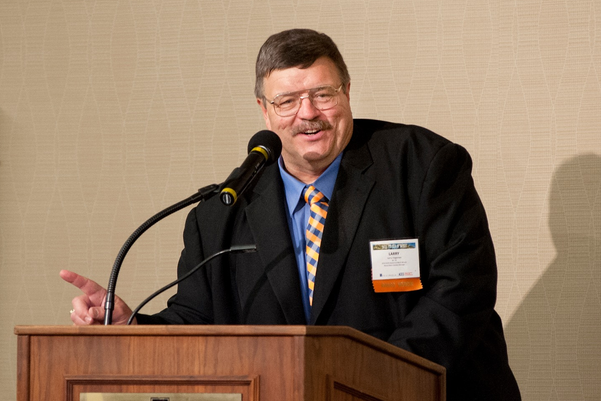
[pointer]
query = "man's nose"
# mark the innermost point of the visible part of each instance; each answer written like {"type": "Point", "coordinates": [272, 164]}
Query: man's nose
{"type": "Point", "coordinates": [306, 109]}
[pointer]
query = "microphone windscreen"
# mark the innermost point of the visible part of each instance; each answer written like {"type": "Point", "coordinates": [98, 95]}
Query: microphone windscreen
{"type": "Point", "coordinates": [268, 140]}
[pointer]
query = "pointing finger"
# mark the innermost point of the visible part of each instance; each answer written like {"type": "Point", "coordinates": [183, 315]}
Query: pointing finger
{"type": "Point", "coordinates": [87, 286]}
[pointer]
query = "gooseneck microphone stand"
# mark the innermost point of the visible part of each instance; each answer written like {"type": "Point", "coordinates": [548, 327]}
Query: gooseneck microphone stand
{"type": "Point", "coordinates": [202, 195]}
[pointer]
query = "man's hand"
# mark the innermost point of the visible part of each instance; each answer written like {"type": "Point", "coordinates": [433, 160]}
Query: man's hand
{"type": "Point", "coordinates": [88, 308]}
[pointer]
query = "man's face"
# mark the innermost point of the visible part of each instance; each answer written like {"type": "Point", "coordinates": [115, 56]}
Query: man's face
{"type": "Point", "coordinates": [312, 138]}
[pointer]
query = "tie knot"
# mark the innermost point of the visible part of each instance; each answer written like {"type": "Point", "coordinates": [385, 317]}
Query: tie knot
{"type": "Point", "coordinates": [313, 196]}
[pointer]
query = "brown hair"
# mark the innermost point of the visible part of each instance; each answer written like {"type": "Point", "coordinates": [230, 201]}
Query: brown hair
{"type": "Point", "coordinates": [296, 48]}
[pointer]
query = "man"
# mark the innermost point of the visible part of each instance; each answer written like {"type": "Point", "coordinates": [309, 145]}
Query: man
{"type": "Point", "coordinates": [382, 186]}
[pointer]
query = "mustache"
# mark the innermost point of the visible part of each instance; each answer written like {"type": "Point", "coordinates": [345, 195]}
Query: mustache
{"type": "Point", "coordinates": [311, 126]}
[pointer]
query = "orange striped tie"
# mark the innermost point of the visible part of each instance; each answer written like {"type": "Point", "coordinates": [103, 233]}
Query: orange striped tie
{"type": "Point", "coordinates": [319, 210]}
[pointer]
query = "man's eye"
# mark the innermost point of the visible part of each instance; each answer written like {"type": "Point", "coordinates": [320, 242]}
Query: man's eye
{"type": "Point", "coordinates": [323, 96]}
{"type": "Point", "coordinates": [286, 102]}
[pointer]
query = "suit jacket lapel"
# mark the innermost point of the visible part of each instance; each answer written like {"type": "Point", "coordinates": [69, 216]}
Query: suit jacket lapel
{"type": "Point", "coordinates": [344, 214]}
{"type": "Point", "coordinates": [266, 214]}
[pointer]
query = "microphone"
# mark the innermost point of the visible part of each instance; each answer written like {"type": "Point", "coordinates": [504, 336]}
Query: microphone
{"type": "Point", "coordinates": [233, 249]}
{"type": "Point", "coordinates": [264, 148]}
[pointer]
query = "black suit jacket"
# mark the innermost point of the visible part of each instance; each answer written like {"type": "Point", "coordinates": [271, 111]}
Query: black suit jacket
{"type": "Point", "coordinates": [395, 181]}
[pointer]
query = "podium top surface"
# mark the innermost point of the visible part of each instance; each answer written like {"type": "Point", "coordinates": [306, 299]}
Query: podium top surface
{"type": "Point", "coordinates": [190, 330]}
{"type": "Point", "coordinates": [229, 331]}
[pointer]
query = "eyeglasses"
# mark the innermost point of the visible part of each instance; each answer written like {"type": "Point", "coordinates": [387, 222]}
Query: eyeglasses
{"type": "Point", "coordinates": [322, 98]}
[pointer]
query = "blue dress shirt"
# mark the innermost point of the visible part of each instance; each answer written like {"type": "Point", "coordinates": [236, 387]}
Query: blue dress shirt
{"type": "Point", "coordinates": [298, 216]}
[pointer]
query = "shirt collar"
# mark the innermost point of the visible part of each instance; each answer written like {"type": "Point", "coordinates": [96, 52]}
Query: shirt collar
{"type": "Point", "coordinates": [294, 188]}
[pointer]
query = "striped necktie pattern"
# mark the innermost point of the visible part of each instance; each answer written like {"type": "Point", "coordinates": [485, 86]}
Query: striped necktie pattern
{"type": "Point", "coordinates": [319, 209]}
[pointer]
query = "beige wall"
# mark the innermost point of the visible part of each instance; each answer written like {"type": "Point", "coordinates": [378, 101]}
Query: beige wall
{"type": "Point", "coordinates": [112, 110]}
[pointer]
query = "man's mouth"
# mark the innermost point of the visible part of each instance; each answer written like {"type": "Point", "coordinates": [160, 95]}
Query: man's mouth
{"type": "Point", "coordinates": [313, 128]}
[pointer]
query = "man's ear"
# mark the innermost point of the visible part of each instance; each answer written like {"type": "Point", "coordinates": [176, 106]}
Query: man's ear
{"type": "Point", "coordinates": [348, 91]}
{"type": "Point", "coordinates": [261, 104]}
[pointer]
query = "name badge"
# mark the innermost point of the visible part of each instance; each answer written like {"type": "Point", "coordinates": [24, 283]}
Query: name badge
{"type": "Point", "coordinates": [395, 265]}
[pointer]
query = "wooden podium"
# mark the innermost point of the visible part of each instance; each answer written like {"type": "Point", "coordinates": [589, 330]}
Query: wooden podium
{"type": "Point", "coordinates": [266, 363]}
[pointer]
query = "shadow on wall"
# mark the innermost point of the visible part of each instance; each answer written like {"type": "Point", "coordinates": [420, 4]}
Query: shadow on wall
{"type": "Point", "coordinates": [555, 335]}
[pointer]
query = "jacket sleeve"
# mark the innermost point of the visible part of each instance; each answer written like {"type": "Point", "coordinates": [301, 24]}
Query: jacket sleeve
{"type": "Point", "coordinates": [458, 266]}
